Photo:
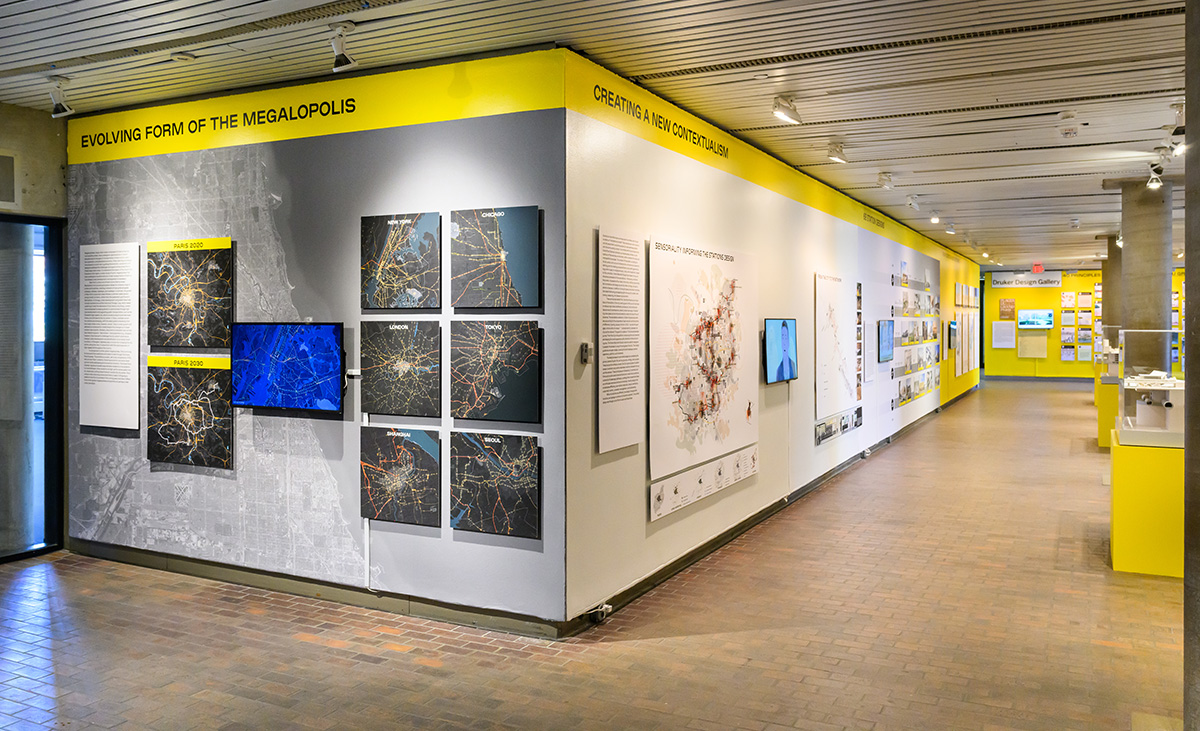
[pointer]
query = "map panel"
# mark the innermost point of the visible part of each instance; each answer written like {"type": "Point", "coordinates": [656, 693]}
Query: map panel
{"type": "Point", "coordinates": [288, 366]}
{"type": "Point", "coordinates": [188, 412]}
{"type": "Point", "coordinates": [401, 368]}
{"type": "Point", "coordinates": [401, 476]}
{"type": "Point", "coordinates": [402, 261]}
{"type": "Point", "coordinates": [495, 484]}
{"type": "Point", "coordinates": [496, 370]}
{"type": "Point", "coordinates": [189, 293]}
{"type": "Point", "coordinates": [495, 257]}
{"type": "Point", "coordinates": [704, 356]}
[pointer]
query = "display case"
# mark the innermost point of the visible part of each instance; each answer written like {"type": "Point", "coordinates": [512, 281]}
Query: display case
{"type": "Point", "coordinates": [1151, 399]}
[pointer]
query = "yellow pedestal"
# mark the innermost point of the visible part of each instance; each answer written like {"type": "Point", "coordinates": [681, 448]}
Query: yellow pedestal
{"type": "Point", "coordinates": [1146, 526]}
{"type": "Point", "coordinates": [1106, 411]}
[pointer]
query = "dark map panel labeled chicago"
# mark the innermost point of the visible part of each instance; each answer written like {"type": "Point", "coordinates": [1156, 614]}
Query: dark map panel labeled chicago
{"type": "Point", "coordinates": [401, 368]}
{"type": "Point", "coordinates": [495, 257]}
{"type": "Point", "coordinates": [495, 484]}
{"type": "Point", "coordinates": [401, 476]}
{"type": "Point", "coordinates": [190, 297]}
{"type": "Point", "coordinates": [189, 417]}
{"type": "Point", "coordinates": [496, 370]}
{"type": "Point", "coordinates": [401, 261]}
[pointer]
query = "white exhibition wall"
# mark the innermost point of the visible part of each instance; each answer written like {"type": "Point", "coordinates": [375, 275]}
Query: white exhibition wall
{"type": "Point", "coordinates": [618, 182]}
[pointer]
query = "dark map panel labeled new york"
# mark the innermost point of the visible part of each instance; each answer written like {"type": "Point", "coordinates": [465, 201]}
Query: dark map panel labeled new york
{"type": "Point", "coordinates": [401, 476]}
{"type": "Point", "coordinates": [496, 370]}
{"type": "Point", "coordinates": [495, 257]}
{"type": "Point", "coordinates": [190, 298]}
{"type": "Point", "coordinates": [189, 417]}
{"type": "Point", "coordinates": [401, 261]}
{"type": "Point", "coordinates": [495, 484]}
{"type": "Point", "coordinates": [401, 368]}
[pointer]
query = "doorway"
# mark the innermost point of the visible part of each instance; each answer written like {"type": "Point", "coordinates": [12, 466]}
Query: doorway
{"type": "Point", "coordinates": [31, 386]}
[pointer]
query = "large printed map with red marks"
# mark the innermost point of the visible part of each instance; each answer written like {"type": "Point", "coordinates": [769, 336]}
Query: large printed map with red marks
{"type": "Point", "coordinates": [704, 355]}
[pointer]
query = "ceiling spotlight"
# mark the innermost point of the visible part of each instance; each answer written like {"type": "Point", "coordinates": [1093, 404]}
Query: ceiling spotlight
{"type": "Point", "coordinates": [341, 60]}
{"type": "Point", "coordinates": [1164, 154]}
{"type": "Point", "coordinates": [1178, 148]}
{"type": "Point", "coordinates": [933, 217]}
{"type": "Point", "coordinates": [885, 181]}
{"type": "Point", "coordinates": [949, 227]}
{"type": "Point", "coordinates": [836, 153]}
{"type": "Point", "coordinates": [1178, 108]}
{"type": "Point", "coordinates": [912, 202]}
{"type": "Point", "coordinates": [785, 110]}
{"type": "Point", "coordinates": [1179, 255]}
{"type": "Point", "coordinates": [1155, 182]}
{"type": "Point", "coordinates": [1120, 242]}
{"type": "Point", "coordinates": [985, 255]}
{"type": "Point", "coordinates": [58, 98]}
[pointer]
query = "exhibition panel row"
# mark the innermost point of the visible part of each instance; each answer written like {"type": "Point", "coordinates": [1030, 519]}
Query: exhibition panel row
{"type": "Point", "coordinates": [517, 396]}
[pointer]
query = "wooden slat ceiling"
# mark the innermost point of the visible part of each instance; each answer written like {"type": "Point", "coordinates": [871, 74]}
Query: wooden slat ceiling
{"type": "Point", "coordinates": [959, 101]}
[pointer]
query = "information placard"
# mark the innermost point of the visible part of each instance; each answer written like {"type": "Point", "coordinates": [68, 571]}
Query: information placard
{"type": "Point", "coordinates": [108, 335]}
{"type": "Point", "coordinates": [621, 358]}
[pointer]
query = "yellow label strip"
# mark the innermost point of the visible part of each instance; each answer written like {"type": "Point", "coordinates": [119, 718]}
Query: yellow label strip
{"type": "Point", "coordinates": [189, 244]}
{"type": "Point", "coordinates": [215, 362]}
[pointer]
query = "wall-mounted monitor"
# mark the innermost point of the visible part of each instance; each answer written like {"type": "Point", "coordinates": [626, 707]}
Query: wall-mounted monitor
{"type": "Point", "coordinates": [887, 340]}
{"type": "Point", "coordinates": [1035, 319]}
{"type": "Point", "coordinates": [779, 345]}
{"type": "Point", "coordinates": [288, 366]}
{"type": "Point", "coordinates": [952, 335]}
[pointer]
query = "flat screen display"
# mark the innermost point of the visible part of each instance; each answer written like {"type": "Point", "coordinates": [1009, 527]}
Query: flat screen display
{"type": "Point", "coordinates": [293, 366]}
{"type": "Point", "coordinates": [779, 360]}
{"type": "Point", "coordinates": [887, 340]}
{"type": "Point", "coordinates": [1035, 319]}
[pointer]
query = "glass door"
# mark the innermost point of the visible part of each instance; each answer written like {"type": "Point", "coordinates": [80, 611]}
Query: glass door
{"type": "Point", "coordinates": [30, 387]}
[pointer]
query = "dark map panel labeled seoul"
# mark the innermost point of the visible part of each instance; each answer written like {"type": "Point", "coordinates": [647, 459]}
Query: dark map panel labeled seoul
{"type": "Point", "coordinates": [401, 261]}
{"type": "Point", "coordinates": [401, 476]}
{"type": "Point", "coordinates": [288, 366]}
{"type": "Point", "coordinates": [495, 484]}
{"type": "Point", "coordinates": [189, 298]}
{"type": "Point", "coordinates": [496, 370]}
{"type": "Point", "coordinates": [401, 368]}
{"type": "Point", "coordinates": [495, 257]}
{"type": "Point", "coordinates": [189, 417]}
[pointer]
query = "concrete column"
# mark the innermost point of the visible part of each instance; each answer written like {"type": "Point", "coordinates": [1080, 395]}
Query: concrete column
{"type": "Point", "coordinates": [1146, 273]}
{"type": "Point", "coordinates": [1191, 466]}
{"type": "Point", "coordinates": [1110, 310]}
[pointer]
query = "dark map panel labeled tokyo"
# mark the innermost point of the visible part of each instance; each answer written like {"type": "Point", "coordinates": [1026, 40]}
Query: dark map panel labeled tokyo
{"type": "Point", "coordinates": [495, 484]}
{"type": "Point", "coordinates": [495, 257]}
{"type": "Point", "coordinates": [496, 370]}
{"type": "Point", "coordinates": [401, 368]}
{"type": "Point", "coordinates": [189, 417]}
{"type": "Point", "coordinates": [401, 261]}
{"type": "Point", "coordinates": [288, 366]}
{"type": "Point", "coordinates": [189, 298]}
{"type": "Point", "coordinates": [401, 476]}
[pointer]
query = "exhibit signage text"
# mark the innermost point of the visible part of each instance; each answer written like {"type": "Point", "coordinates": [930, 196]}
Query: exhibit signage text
{"type": "Point", "coordinates": [1023, 280]}
{"type": "Point", "coordinates": [658, 120]}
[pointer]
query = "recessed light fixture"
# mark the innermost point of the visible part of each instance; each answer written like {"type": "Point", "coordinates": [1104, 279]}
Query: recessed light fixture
{"type": "Point", "coordinates": [341, 60]}
{"type": "Point", "coordinates": [885, 181]}
{"type": "Point", "coordinates": [836, 153]}
{"type": "Point", "coordinates": [934, 218]}
{"type": "Point", "coordinates": [784, 110]}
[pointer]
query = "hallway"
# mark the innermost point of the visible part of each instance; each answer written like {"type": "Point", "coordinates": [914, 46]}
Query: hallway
{"type": "Point", "coordinates": [956, 579]}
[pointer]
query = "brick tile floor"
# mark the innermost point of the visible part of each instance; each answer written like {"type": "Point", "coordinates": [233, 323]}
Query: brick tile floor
{"type": "Point", "coordinates": [956, 580]}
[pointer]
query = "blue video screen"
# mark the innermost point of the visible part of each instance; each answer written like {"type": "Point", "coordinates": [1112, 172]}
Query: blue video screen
{"type": "Point", "coordinates": [887, 340]}
{"type": "Point", "coordinates": [288, 366]}
{"type": "Point", "coordinates": [779, 339]}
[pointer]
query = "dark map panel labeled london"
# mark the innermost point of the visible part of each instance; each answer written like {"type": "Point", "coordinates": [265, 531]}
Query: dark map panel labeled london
{"type": "Point", "coordinates": [401, 368]}
{"type": "Point", "coordinates": [189, 417]}
{"type": "Point", "coordinates": [401, 261]}
{"type": "Point", "coordinates": [189, 298]}
{"type": "Point", "coordinates": [401, 476]}
{"type": "Point", "coordinates": [496, 370]}
{"type": "Point", "coordinates": [495, 484]}
{"type": "Point", "coordinates": [495, 257]}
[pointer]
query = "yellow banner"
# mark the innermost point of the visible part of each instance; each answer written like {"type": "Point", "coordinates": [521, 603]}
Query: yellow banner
{"type": "Point", "coordinates": [189, 244]}
{"type": "Point", "coordinates": [216, 362]}
{"type": "Point", "coordinates": [481, 88]}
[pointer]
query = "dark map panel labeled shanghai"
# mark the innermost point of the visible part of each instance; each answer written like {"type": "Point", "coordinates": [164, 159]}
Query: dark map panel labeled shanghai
{"type": "Point", "coordinates": [401, 368]}
{"type": "Point", "coordinates": [496, 370]}
{"type": "Point", "coordinates": [401, 261]}
{"type": "Point", "coordinates": [495, 484]}
{"type": "Point", "coordinates": [401, 476]}
{"type": "Point", "coordinates": [189, 417]}
{"type": "Point", "coordinates": [495, 257]}
{"type": "Point", "coordinates": [189, 298]}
